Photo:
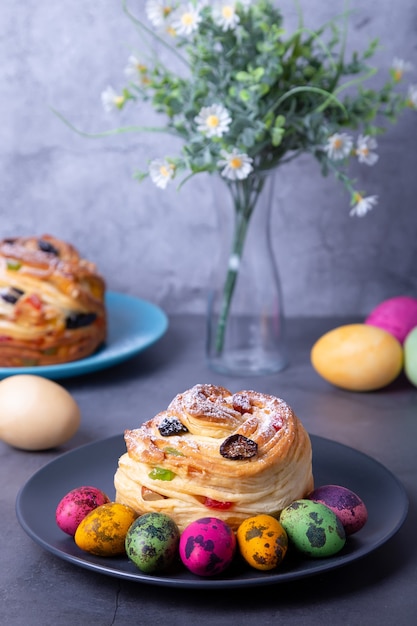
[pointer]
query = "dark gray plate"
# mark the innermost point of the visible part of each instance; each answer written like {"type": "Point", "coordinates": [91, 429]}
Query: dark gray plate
{"type": "Point", "coordinates": [95, 464]}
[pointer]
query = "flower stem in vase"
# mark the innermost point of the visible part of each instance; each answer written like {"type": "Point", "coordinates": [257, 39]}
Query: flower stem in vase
{"type": "Point", "coordinates": [245, 194]}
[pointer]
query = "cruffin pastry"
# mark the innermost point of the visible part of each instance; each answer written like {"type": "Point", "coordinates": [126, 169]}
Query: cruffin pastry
{"type": "Point", "coordinates": [52, 303]}
{"type": "Point", "coordinates": [216, 453]}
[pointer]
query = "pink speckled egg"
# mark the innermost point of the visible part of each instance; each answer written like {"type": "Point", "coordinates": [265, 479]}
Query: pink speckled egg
{"type": "Point", "coordinates": [397, 316]}
{"type": "Point", "coordinates": [207, 546]}
{"type": "Point", "coordinates": [346, 504]}
{"type": "Point", "coordinates": [76, 505]}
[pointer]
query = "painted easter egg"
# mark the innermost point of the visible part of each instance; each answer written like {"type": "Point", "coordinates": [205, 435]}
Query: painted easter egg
{"type": "Point", "coordinates": [103, 531]}
{"type": "Point", "coordinates": [207, 546]}
{"type": "Point", "coordinates": [76, 505]}
{"type": "Point", "coordinates": [397, 316]}
{"type": "Point", "coordinates": [313, 528]}
{"type": "Point", "coordinates": [346, 504]}
{"type": "Point", "coordinates": [152, 542]}
{"type": "Point", "coordinates": [410, 356]}
{"type": "Point", "coordinates": [262, 541]}
{"type": "Point", "coordinates": [358, 357]}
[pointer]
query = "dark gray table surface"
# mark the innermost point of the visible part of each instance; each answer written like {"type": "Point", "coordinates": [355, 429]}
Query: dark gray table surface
{"type": "Point", "coordinates": [37, 587]}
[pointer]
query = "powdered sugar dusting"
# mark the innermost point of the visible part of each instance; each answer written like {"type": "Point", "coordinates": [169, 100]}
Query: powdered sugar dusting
{"type": "Point", "coordinates": [211, 413]}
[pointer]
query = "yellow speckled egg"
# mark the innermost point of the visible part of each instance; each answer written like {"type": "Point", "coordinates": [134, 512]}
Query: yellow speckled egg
{"type": "Point", "coordinates": [358, 357]}
{"type": "Point", "coordinates": [103, 531]}
{"type": "Point", "coordinates": [262, 541]}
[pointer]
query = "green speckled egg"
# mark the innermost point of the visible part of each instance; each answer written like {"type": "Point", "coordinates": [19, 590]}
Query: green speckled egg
{"type": "Point", "coordinates": [152, 542]}
{"type": "Point", "coordinates": [313, 528]}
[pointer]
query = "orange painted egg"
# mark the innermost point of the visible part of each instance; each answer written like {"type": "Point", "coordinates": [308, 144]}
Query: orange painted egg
{"type": "Point", "coordinates": [358, 357]}
{"type": "Point", "coordinates": [262, 541]}
{"type": "Point", "coordinates": [103, 531]}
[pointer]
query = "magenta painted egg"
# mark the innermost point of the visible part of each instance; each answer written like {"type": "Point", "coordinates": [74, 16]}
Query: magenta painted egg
{"type": "Point", "coordinates": [207, 546]}
{"type": "Point", "coordinates": [346, 504]}
{"type": "Point", "coordinates": [397, 316]}
{"type": "Point", "coordinates": [76, 505]}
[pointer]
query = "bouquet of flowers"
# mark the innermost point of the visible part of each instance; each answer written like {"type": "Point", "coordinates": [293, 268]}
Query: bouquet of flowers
{"type": "Point", "coordinates": [244, 96]}
{"type": "Point", "coordinates": [253, 96]}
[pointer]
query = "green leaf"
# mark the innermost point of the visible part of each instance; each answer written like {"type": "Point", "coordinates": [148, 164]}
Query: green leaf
{"type": "Point", "coordinates": [257, 73]}
{"type": "Point", "coordinates": [244, 95]}
{"type": "Point", "coordinates": [243, 77]}
{"type": "Point", "coordinates": [276, 136]}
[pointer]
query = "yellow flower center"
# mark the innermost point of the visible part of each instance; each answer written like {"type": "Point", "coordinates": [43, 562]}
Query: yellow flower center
{"type": "Point", "coordinates": [212, 121]}
{"type": "Point", "coordinates": [227, 12]}
{"type": "Point", "coordinates": [165, 171]}
{"type": "Point", "coordinates": [166, 11]}
{"type": "Point", "coordinates": [398, 74]}
{"type": "Point", "coordinates": [119, 101]}
{"type": "Point", "coordinates": [338, 143]}
{"type": "Point", "coordinates": [357, 197]}
{"type": "Point", "coordinates": [236, 163]}
{"type": "Point", "coordinates": [187, 19]}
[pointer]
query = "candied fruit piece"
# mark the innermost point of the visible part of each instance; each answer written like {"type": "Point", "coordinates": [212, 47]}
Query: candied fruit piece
{"type": "Point", "coordinates": [241, 403]}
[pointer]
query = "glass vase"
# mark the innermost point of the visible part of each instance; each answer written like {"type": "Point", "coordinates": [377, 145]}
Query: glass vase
{"type": "Point", "coordinates": [245, 319]}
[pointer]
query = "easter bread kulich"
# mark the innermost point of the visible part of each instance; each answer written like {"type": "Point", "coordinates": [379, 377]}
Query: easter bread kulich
{"type": "Point", "coordinates": [214, 452]}
{"type": "Point", "coordinates": [52, 303]}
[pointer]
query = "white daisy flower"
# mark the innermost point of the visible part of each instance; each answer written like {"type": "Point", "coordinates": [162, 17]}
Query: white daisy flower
{"type": "Point", "coordinates": [111, 100]}
{"type": "Point", "coordinates": [236, 165]}
{"type": "Point", "coordinates": [364, 147]}
{"type": "Point", "coordinates": [136, 71]}
{"type": "Point", "coordinates": [225, 16]}
{"type": "Point", "coordinates": [161, 172]}
{"type": "Point", "coordinates": [399, 67]}
{"type": "Point", "coordinates": [213, 121]}
{"type": "Point", "coordinates": [157, 11]}
{"type": "Point", "coordinates": [412, 96]}
{"type": "Point", "coordinates": [186, 20]}
{"type": "Point", "coordinates": [363, 205]}
{"type": "Point", "coordinates": [339, 146]}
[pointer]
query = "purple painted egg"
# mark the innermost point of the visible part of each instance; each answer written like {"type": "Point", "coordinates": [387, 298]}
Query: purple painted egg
{"type": "Point", "coordinates": [207, 546]}
{"type": "Point", "coordinates": [76, 505]}
{"type": "Point", "coordinates": [346, 504]}
{"type": "Point", "coordinates": [397, 316]}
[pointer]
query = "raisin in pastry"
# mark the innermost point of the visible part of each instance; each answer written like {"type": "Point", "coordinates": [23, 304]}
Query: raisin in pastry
{"type": "Point", "coordinates": [52, 307]}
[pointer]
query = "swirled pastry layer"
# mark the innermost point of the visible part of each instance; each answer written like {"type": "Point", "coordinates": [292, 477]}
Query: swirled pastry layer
{"type": "Point", "coordinates": [231, 455]}
{"type": "Point", "coordinates": [52, 306]}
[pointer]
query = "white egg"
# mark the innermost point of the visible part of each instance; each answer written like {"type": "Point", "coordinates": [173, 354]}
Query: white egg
{"type": "Point", "coordinates": [36, 413]}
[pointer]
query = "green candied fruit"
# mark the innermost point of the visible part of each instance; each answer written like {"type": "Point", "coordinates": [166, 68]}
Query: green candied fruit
{"type": "Point", "coordinates": [173, 451]}
{"type": "Point", "coordinates": [13, 265]}
{"type": "Point", "coordinates": [28, 362]}
{"type": "Point", "coordinates": [50, 351]}
{"type": "Point", "coordinates": [159, 473]}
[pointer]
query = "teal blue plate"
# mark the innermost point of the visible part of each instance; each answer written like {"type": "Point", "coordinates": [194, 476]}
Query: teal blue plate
{"type": "Point", "coordinates": [133, 326]}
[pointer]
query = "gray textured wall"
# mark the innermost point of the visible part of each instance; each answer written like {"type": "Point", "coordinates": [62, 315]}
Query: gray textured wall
{"type": "Point", "coordinates": [158, 244]}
